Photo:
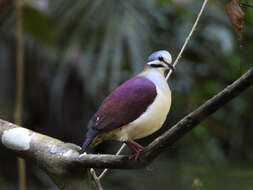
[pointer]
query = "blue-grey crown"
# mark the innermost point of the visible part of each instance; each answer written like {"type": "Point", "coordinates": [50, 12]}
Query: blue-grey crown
{"type": "Point", "coordinates": [157, 54]}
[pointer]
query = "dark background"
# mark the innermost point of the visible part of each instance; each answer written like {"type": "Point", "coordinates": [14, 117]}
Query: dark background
{"type": "Point", "coordinates": [76, 52]}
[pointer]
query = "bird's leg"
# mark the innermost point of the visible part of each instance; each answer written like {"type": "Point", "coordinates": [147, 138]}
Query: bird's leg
{"type": "Point", "coordinates": [135, 147]}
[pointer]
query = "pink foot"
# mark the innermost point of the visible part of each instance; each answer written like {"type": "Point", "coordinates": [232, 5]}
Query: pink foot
{"type": "Point", "coordinates": [136, 149]}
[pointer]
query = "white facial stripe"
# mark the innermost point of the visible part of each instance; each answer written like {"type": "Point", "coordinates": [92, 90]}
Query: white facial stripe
{"type": "Point", "coordinates": [154, 62]}
{"type": "Point", "coordinates": [157, 62]}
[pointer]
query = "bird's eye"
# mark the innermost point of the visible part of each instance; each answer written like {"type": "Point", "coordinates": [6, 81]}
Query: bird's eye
{"type": "Point", "coordinates": [160, 58]}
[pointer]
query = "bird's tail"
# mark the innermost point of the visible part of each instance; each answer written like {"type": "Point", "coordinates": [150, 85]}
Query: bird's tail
{"type": "Point", "coordinates": [90, 136]}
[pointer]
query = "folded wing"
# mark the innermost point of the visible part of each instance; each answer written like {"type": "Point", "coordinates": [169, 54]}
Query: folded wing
{"type": "Point", "coordinates": [125, 104]}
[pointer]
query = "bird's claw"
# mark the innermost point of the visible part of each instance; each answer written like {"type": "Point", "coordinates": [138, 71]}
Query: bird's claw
{"type": "Point", "coordinates": [135, 156]}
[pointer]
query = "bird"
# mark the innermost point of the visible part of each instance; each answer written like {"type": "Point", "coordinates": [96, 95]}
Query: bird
{"type": "Point", "coordinates": [135, 109]}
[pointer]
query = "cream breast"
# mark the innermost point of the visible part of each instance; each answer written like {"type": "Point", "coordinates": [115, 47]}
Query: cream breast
{"type": "Point", "coordinates": [155, 115]}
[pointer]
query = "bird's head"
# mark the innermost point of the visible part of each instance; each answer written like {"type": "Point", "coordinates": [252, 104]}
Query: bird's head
{"type": "Point", "coordinates": [160, 59]}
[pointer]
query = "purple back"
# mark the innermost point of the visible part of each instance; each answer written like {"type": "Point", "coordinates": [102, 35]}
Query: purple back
{"type": "Point", "coordinates": [125, 104]}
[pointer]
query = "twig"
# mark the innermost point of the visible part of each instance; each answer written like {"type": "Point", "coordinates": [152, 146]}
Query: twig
{"type": "Point", "coordinates": [119, 151]}
{"type": "Point", "coordinates": [96, 179]}
{"type": "Point", "coordinates": [188, 37]}
{"type": "Point", "coordinates": [93, 172]}
{"type": "Point", "coordinates": [19, 86]}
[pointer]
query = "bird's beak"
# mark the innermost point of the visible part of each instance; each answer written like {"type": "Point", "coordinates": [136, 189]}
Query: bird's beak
{"type": "Point", "coordinates": [170, 66]}
{"type": "Point", "coordinates": [165, 65]}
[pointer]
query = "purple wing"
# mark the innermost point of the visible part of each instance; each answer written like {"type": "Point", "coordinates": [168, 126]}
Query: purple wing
{"type": "Point", "coordinates": [125, 104]}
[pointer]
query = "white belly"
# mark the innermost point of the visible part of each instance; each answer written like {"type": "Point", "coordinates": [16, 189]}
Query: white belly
{"type": "Point", "coordinates": [150, 121]}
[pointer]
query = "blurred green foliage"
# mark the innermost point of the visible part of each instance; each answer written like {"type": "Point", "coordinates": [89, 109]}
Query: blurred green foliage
{"type": "Point", "coordinates": [77, 51]}
{"type": "Point", "coordinates": [43, 30]}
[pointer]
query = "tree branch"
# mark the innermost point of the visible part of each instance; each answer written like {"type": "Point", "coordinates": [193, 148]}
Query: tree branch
{"type": "Point", "coordinates": [194, 118]}
{"type": "Point", "coordinates": [59, 158]}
